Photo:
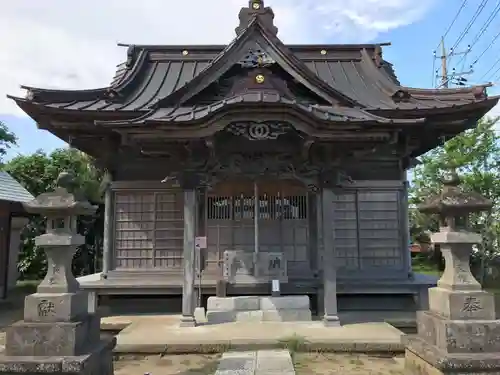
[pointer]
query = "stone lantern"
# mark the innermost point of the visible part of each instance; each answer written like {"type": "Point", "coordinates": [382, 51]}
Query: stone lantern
{"type": "Point", "coordinates": [459, 333]}
{"type": "Point", "coordinates": [454, 206]}
{"type": "Point", "coordinates": [58, 334]}
{"type": "Point", "coordinates": [61, 240]}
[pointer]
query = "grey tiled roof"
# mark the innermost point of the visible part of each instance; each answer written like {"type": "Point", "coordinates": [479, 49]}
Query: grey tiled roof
{"type": "Point", "coordinates": [13, 191]}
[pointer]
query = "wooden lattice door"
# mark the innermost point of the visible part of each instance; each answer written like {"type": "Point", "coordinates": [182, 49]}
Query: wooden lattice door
{"type": "Point", "coordinates": [149, 229]}
{"type": "Point", "coordinates": [282, 221]}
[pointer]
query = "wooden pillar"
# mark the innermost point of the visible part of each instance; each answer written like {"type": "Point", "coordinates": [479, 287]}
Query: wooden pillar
{"type": "Point", "coordinates": [405, 227]}
{"type": "Point", "coordinates": [320, 298]}
{"type": "Point", "coordinates": [330, 317]}
{"type": "Point", "coordinates": [107, 243]}
{"type": "Point", "coordinates": [189, 262]}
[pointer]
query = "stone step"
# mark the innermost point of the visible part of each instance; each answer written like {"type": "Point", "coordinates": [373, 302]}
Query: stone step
{"type": "Point", "coordinates": [262, 362]}
{"type": "Point", "coordinates": [258, 309]}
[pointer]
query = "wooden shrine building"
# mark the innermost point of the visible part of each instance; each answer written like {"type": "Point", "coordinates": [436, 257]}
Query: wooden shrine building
{"type": "Point", "coordinates": [258, 147]}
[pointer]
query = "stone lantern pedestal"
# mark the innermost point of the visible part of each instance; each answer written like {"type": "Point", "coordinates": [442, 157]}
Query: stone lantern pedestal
{"type": "Point", "coordinates": [58, 334]}
{"type": "Point", "coordinates": [459, 333]}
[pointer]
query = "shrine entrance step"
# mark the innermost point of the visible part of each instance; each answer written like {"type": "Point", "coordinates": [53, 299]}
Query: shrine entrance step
{"type": "Point", "coordinates": [258, 309]}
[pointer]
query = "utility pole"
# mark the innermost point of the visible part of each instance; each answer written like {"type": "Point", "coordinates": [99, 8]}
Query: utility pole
{"type": "Point", "coordinates": [445, 78]}
{"type": "Point", "coordinates": [444, 65]}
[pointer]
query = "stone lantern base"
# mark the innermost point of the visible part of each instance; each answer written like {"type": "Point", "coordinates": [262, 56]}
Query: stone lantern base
{"type": "Point", "coordinates": [422, 358]}
{"type": "Point", "coordinates": [57, 336]}
{"type": "Point", "coordinates": [463, 338]}
{"type": "Point", "coordinates": [97, 361]}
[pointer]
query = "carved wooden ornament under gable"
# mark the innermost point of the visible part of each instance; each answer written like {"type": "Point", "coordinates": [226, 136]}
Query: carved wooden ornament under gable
{"type": "Point", "coordinates": [256, 58]}
{"type": "Point", "coordinates": [259, 131]}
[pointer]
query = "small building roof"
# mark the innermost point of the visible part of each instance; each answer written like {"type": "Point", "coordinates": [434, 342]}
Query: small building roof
{"type": "Point", "coordinates": [13, 191]}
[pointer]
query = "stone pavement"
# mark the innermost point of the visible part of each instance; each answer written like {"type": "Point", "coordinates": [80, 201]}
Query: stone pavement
{"type": "Point", "coordinates": [155, 335]}
{"type": "Point", "coordinates": [262, 362]}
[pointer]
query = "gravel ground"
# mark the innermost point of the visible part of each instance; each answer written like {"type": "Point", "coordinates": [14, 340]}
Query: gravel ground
{"type": "Point", "coordinates": [187, 364]}
{"type": "Point", "coordinates": [331, 364]}
{"type": "Point", "coordinates": [305, 364]}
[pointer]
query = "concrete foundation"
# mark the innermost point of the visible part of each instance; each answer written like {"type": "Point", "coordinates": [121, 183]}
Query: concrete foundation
{"type": "Point", "coordinates": [258, 309]}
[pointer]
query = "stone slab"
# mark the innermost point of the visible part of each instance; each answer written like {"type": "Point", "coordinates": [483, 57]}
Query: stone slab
{"type": "Point", "coordinates": [421, 358]}
{"type": "Point", "coordinates": [240, 303]}
{"type": "Point", "coordinates": [249, 316]}
{"type": "Point", "coordinates": [284, 303]}
{"type": "Point", "coordinates": [256, 308]}
{"type": "Point", "coordinates": [99, 361]}
{"type": "Point", "coordinates": [459, 336]}
{"type": "Point", "coordinates": [274, 362]}
{"type": "Point", "coordinates": [219, 317]}
{"type": "Point", "coordinates": [262, 362]}
{"type": "Point", "coordinates": [462, 304]}
{"type": "Point", "coordinates": [200, 315]}
{"type": "Point", "coordinates": [291, 315]}
{"type": "Point", "coordinates": [55, 307]}
{"type": "Point", "coordinates": [237, 363]}
{"type": "Point", "coordinates": [157, 335]}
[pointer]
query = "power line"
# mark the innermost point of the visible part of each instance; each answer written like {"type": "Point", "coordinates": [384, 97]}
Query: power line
{"type": "Point", "coordinates": [481, 32]}
{"type": "Point", "coordinates": [453, 21]}
{"type": "Point", "coordinates": [434, 74]}
{"type": "Point", "coordinates": [490, 69]}
{"type": "Point", "coordinates": [478, 12]}
{"type": "Point", "coordinates": [494, 73]}
{"type": "Point", "coordinates": [486, 49]}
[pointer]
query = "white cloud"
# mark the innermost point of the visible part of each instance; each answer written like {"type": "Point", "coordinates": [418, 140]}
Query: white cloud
{"type": "Point", "coordinates": [72, 44]}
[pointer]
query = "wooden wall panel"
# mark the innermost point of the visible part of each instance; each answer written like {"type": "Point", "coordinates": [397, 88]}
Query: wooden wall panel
{"type": "Point", "coordinates": [380, 229]}
{"type": "Point", "coordinates": [368, 230]}
{"type": "Point", "coordinates": [149, 229]}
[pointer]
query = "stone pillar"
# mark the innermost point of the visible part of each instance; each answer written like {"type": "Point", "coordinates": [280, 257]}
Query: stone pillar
{"type": "Point", "coordinates": [330, 317]}
{"type": "Point", "coordinates": [107, 243]}
{"type": "Point", "coordinates": [58, 335]}
{"type": "Point", "coordinates": [459, 333]}
{"type": "Point", "coordinates": [16, 226]}
{"type": "Point", "coordinates": [189, 264]}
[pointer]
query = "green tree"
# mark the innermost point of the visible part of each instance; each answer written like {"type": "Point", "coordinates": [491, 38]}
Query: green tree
{"type": "Point", "coordinates": [7, 139]}
{"type": "Point", "coordinates": [38, 174]}
{"type": "Point", "coordinates": [476, 155]}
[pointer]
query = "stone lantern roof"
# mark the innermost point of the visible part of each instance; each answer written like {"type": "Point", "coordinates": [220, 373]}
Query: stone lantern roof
{"type": "Point", "coordinates": [62, 201]}
{"type": "Point", "coordinates": [453, 201]}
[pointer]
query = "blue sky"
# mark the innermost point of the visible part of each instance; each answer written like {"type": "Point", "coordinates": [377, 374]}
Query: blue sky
{"type": "Point", "coordinates": [414, 28]}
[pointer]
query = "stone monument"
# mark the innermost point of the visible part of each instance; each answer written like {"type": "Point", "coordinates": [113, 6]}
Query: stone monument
{"type": "Point", "coordinates": [240, 267]}
{"type": "Point", "coordinates": [459, 333]}
{"type": "Point", "coordinates": [58, 334]}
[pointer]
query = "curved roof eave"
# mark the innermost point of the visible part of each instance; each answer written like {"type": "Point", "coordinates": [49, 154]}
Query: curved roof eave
{"type": "Point", "coordinates": [33, 109]}
{"type": "Point", "coordinates": [129, 77]}
{"type": "Point", "coordinates": [325, 114]}
{"type": "Point", "coordinates": [391, 88]}
{"type": "Point", "coordinates": [63, 95]}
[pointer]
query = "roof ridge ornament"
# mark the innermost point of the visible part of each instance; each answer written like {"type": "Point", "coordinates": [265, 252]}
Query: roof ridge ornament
{"type": "Point", "coordinates": [256, 9]}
